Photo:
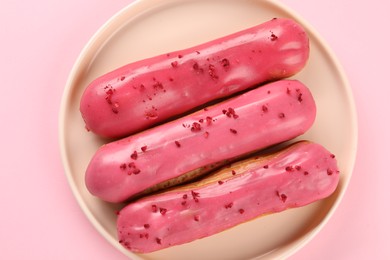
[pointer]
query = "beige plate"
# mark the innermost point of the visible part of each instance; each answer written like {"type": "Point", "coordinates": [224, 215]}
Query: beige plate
{"type": "Point", "coordinates": [150, 27]}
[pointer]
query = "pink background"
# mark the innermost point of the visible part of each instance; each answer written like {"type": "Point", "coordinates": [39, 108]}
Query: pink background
{"type": "Point", "coordinates": [40, 41]}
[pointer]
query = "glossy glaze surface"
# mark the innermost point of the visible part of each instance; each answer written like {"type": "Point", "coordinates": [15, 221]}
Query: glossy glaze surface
{"type": "Point", "coordinates": [257, 119]}
{"type": "Point", "coordinates": [143, 93]}
{"type": "Point", "coordinates": [297, 176]}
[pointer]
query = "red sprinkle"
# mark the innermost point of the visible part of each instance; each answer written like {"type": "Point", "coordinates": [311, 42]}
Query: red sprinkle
{"type": "Point", "coordinates": [197, 68]}
{"type": "Point", "coordinates": [332, 156]}
{"type": "Point", "coordinates": [264, 108]}
{"type": "Point", "coordinates": [196, 218]}
{"type": "Point", "coordinates": [163, 211]}
{"type": "Point", "coordinates": [233, 131]}
{"type": "Point", "coordinates": [123, 166]}
{"type": "Point", "coordinates": [133, 169]}
{"type": "Point", "coordinates": [115, 110]}
{"type": "Point", "coordinates": [289, 169]}
{"type": "Point", "coordinates": [329, 171]}
{"type": "Point", "coordinates": [300, 97]}
{"type": "Point", "coordinates": [158, 85]}
{"type": "Point", "coordinates": [305, 173]}
{"type": "Point", "coordinates": [282, 115]}
{"type": "Point", "coordinates": [212, 72]}
{"type": "Point", "coordinates": [158, 240]}
{"type": "Point", "coordinates": [196, 127]}
{"type": "Point", "coordinates": [134, 155]}
{"type": "Point", "coordinates": [146, 226]}
{"type": "Point", "coordinates": [209, 120]}
{"type": "Point", "coordinates": [136, 171]}
{"type": "Point", "coordinates": [282, 196]}
{"type": "Point", "coordinates": [233, 172]}
{"type": "Point", "coordinates": [225, 63]}
{"type": "Point", "coordinates": [220, 182]}
{"type": "Point", "coordinates": [241, 211]}
{"type": "Point", "coordinates": [143, 148]}
{"type": "Point", "coordinates": [151, 114]}
{"type": "Point", "coordinates": [183, 203]}
{"type": "Point", "coordinates": [131, 165]}
{"type": "Point", "coordinates": [206, 134]}
{"type": "Point", "coordinates": [109, 90]}
{"type": "Point", "coordinates": [123, 78]}
{"type": "Point", "coordinates": [194, 194]}
{"type": "Point", "coordinates": [230, 112]}
{"type": "Point", "coordinates": [228, 206]}
{"type": "Point", "coordinates": [174, 64]}
{"type": "Point", "coordinates": [298, 167]}
{"type": "Point", "coordinates": [265, 166]}
{"type": "Point", "coordinates": [154, 208]}
{"type": "Point", "coordinates": [178, 144]}
{"type": "Point", "coordinates": [273, 37]}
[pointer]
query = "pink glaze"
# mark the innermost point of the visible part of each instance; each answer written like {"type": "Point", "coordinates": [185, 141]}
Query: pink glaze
{"type": "Point", "coordinates": [299, 175]}
{"type": "Point", "coordinates": [262, 117]}
{"type": "Point", "coordinates": [146, 92]}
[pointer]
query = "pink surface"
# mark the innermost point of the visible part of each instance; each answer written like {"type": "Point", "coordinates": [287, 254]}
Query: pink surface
{"type": "Point", "coordinates": [40, 41]}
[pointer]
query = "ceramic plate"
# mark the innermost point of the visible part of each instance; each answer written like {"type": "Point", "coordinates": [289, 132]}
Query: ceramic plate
{"type": "Point", "coordinates": [149, 27]}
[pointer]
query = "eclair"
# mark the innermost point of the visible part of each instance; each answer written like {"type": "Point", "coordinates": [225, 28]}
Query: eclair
{"type": "Point", "coordinates": [193, 145]}
{"type": "Point", "coordinates": [144, 93]}
{"type": "Point", "coordinates": [293, 177]}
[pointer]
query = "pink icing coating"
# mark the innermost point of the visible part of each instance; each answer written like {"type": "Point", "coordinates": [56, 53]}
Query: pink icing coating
{"type": "Point", "coordinates": [146, 92]}
{"type": "Point", "coordinates": [257, 119]}
{"type": "Point", "coordinates": [301, 174]}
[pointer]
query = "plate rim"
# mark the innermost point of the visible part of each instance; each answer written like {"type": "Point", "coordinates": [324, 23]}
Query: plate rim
{"type": "Point", "coordinates": [299, 243]}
